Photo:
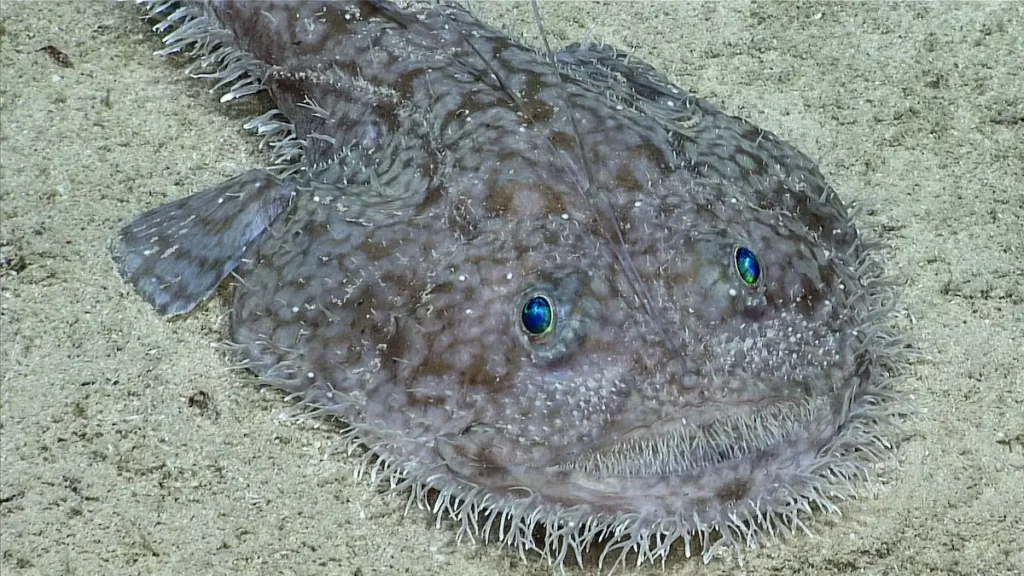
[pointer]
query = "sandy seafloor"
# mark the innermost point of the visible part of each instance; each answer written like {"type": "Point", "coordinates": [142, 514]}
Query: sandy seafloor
{"type": "Point", "coordinates": [107, 469]}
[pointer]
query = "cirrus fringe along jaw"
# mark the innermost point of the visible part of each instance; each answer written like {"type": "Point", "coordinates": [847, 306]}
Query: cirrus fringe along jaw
{"type": "Point", "coordinates": [520, 519]}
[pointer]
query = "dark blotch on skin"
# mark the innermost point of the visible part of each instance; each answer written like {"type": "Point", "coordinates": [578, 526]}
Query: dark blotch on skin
{"type": "Point", "coordinates": [735, 491]}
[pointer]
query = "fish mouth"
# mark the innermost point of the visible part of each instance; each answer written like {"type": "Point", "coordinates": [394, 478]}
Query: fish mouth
{"type": "Point", "coordinates": [678, 447]}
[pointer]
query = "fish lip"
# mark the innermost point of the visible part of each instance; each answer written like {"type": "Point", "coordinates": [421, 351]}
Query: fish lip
{"type": "Point", "coordinates": [677, 446]}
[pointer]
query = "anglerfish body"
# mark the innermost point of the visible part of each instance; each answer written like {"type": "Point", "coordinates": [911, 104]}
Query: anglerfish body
{"type": "Point", "coordinates": [578, 305]}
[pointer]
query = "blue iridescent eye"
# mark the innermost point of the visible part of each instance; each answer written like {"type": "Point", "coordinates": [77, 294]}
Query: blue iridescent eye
{"type": "Point", "coordinates": [537, 317]}
{"type": "Point", "coordinates": [747, 266]}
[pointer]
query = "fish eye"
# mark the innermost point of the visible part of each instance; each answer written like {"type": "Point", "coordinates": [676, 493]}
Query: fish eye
{"type": "Point", "coordinates": [747, 265]}
{"type": "Point", "coordinates": [537, 317]}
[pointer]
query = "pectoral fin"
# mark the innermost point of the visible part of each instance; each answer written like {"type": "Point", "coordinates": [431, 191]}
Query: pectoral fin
{"type": "Point", "coordinates": [176, 255]}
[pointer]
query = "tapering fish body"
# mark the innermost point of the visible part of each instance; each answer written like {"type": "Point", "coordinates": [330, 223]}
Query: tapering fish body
{"type": "Point", "coordinates": [561, 291]}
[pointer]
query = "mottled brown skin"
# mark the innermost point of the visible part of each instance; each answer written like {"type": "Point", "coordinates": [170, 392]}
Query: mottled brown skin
{"type": "Point", "coordinates": [445, 184]}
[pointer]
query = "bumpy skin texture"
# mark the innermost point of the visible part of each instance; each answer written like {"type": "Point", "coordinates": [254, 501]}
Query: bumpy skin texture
{"type": "Point", "coordinates": [450, 175]}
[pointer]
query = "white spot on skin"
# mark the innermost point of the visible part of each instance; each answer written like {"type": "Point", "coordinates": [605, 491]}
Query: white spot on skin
{"type": "Point", "coordinates": [469, 311]}
{"type": "Point", "coordinates": [565, 216]}
{"type": "Point", "coordinates": [508, 276]}
{"type": "Point", "coordinates": [295, 309]}
{"type": "Point", "coordinates": [732, 291]}
{"type": "Point", "coordinates": [462, 277]}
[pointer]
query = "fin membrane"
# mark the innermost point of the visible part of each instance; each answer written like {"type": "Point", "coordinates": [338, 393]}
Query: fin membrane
{"type": "Point", "coordinates": [176, 255]}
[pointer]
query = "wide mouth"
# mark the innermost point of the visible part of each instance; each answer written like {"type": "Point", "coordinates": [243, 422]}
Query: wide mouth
{"type": "Point", "coordinates": [676, 448]}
